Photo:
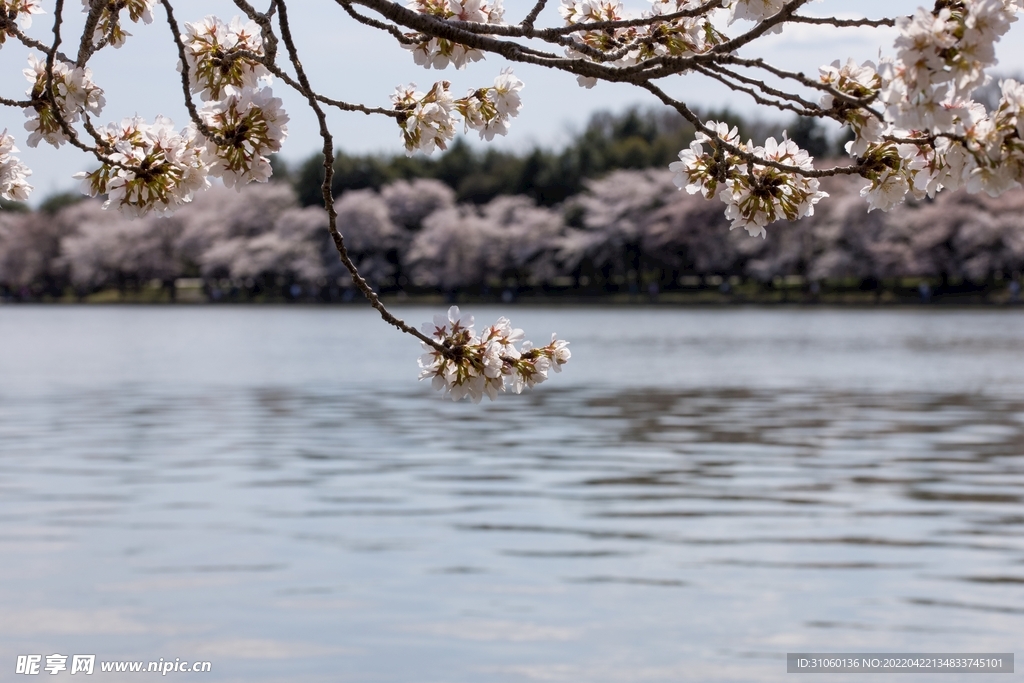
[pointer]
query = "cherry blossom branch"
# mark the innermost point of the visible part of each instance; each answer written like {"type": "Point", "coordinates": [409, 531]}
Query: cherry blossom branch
{"type": "Point", "coordinates": [759, 63]}
{"type": "Point", "coordinates": [743, 154]}
{"type": "Point", "coordinates": [186, 86]}
{"type": "Point", "coordinates": [86, 48]}
{"type": "Point", "coordinates": [9, 27]}
{"type": "Point", "coordinates": [468, 29]}
{"type": "Point", "coordinates": [328, 195]}
{"type": "Point", "coordinates": [48, 95]}
{"type": "Point", "coordinates": [343, 106]}
{"type": "Point", "coordinates": [781, 94]}
{"type": "Point", "coordinates": [440, 28]}
{"type": "Point", "coordinates": [253, 15]}
{"type": "Point", "coordinates": [915, 128]}
{"type": "Point", "coordinates": [723, 75]}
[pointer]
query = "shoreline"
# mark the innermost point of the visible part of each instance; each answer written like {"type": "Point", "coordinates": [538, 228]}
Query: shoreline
{"type": "Point", "coordinates": [672, 299]}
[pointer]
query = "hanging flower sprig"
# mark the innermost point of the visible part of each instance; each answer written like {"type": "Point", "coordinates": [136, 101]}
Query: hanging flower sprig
{"type": "Point", "coordinates": [474, 365]}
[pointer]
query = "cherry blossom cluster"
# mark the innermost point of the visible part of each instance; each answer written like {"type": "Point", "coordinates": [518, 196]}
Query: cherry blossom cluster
{"type": "Point", "coordinates": [246, 120]}
{"type": "Point", "coordinates": [149, 167]}
{"type": "Point", "coordinates": [13, 174]}
{"type": "Point", "coordinates": [930, 135]}
{"type": "Point", "coordinates": [941, 57]}
{"type": "Point", "coordinates": [17, 13]}
{"type": "Point", "coordinates": [754, 194]}
{"type": "Point", "coordinates": [926, 133]}
{"type": "Point", "coordinates": [488, 110]}
{"type": "Point", "coordinates": [687, 35]}
{"type": "Point", "coordinates": [765, 194]}
{"type": "Point", "coordinates": [428, 119]}
{"type": "Point", "coordinates": [855, 83]}
{"type": "Point", "coordinates": [708, 172]}
{"type": "Point", "coordinates": [222, 56]}
{"type": "Point", "coordinates": [438, 53]}
{"type": "Point", "coordinates": [73, 92]}
{"type": "Point", "coordinates": [682, 36]}
{"type": "Point", "coordinates": [589, 11]}
{"type": "Point", "coordinates": [475, 365]}
{"type": "Point", "coordinates": [154, 167]}
{"type": "Point", "coordinates": [108, 29]}
{"type": "Point", "coordinates": [251, 125]}
{"type": "Point", "coordinates": [633, 44]}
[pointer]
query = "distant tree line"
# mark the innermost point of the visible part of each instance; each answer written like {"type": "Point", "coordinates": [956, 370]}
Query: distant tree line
{"type": "Point", "coordinates": [601, 216]}
{"type": "Point", "coordinates": [626, 232]}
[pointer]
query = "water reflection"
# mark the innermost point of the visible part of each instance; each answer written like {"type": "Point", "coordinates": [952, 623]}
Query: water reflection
{"type": "Point", "coordinates": [324, 532]}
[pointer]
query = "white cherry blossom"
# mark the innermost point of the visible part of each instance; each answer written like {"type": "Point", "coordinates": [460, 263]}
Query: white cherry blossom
{"type": "Point", "coordinates": [489, 110]}
{"type": "Point", "coordinates": [154, 167]}
{"type": "Point", "coordinates": [481, 365]}
{"type": "Point", "coordinates": [886, 191]}
{"type": "Point", "coordinates": [707, 172]}
{"type": "Point", "coordinates": [218, 56]}
{"type": "Point", "coordinates": [861, 82]}
{"type": "Point", "coordinates": [427, 119]}
{"type": "Point", "coordinates": [252, 125]}
{"type": "Point", "coordinates": [74, 93]}
{"type": "Point", "coordinates": [13, 174]}
{"type": "Point", "coordinates": [754, 10]}
{"type": "Point", "coordinates": [439, 53]}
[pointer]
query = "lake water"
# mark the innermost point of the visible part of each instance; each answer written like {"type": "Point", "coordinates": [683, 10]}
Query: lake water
{"type": "Point", "coordinates": [699, 492]}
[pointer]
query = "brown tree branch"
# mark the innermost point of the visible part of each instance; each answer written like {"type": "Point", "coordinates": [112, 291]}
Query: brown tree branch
{"type": "Point", "coordinates": [328, 195]}
{"type": "Point", "coordinates": [751, 159]}
{"type": "Point", "coordinates": [186, 87]}
{"type": "Point", "coordinates": [842, 23]}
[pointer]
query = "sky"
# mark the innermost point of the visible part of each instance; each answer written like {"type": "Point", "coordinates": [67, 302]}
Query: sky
{"type": "Point", "coordinates": [349, 61]}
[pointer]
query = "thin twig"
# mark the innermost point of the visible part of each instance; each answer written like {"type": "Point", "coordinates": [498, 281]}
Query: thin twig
{"type": "Point", "coordinates": [390, 28]}
{"type": "Point", "coordinates": [328, 195]}
{"type": "Point", "coordinates": [859, 103]}
{"type": "Point", "coordinates": [186, 88]}
{"type": "Point", "coordinates": [690, 116]}
{"type": "Point", "coordinates": [723, 76]}
{"type": "Point", "coordinates": [10, 27]}
{"type": "Point", "coordinates": [51, 100]}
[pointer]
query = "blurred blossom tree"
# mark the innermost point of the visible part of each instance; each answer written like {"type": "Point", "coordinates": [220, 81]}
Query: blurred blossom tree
{"type": "Point", "coordinates": [451, 251]}
{"type": "Point", "coordinates": [410, 202]}
{"type": "Point", "coordinates": [29, 253]}
{"type": "Point", "coordinates": [107, 250]}
{"type": "Point", "coordinates": [914, 130]}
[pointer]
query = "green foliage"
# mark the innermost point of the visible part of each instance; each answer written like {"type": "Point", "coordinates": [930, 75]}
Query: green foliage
{"type": "Point", "coordinates": [13, 207]}
{"type": "Point", "coordinates": [634, 139]}
{"type": "Point", "coordinates": [55, 202]}
{"type": "Point", "coordinates": [809, 135]}
{"type": "Point", "coordinates": [278, 167]}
